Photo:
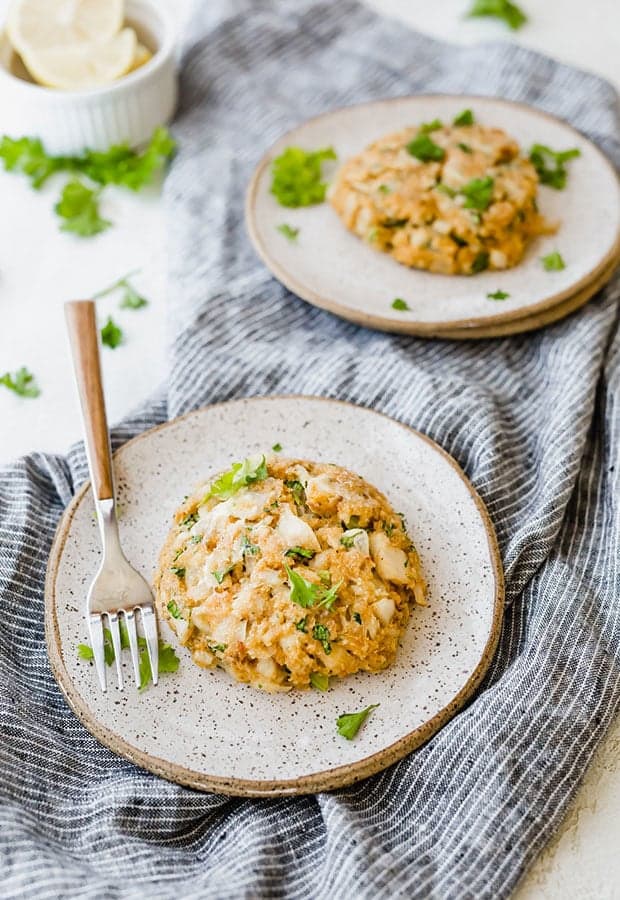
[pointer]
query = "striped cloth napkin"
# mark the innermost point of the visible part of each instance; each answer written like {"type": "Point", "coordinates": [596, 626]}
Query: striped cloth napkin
{"type": "Point", "coordinates": [534, 421]}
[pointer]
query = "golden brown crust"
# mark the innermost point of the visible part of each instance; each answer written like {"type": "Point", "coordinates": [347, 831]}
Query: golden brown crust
{"type": "Point", "coordinates": [243, 618]}
{"type": "Point", "coordinates": [415, 210]}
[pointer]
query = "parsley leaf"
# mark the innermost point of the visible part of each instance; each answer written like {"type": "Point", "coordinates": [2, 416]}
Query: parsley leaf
{"type": "Point", "coordinates": [465, 148]}
{"type": "Point", "coordinates": [350, 723]}
{"type": "Point", "coordinates": [179, 571]}
{"type": "Point", "coordinates": [478, 192]}
{"type": "Point", "coordinates": [297, 176]}
{"type": "Point", "coordinates": [319, 681]}
{"type": "Point", "coordinates": [21, 382]}
{"type": "Point", "coordinates": [384, 189]}
{"type": "Point", "coordinates": [357, 618]}
{"type": "Point", "coordinates": [190, 519]}
{"type": "Point", "coordinates": [123, 166]}
{"type": "Point", "coordinates": [348, 538]}
{"type": "Point", "coordinates": [425, 149]}
{"type": "Point", "coordinates": [131, 299]}
{"type": "Point", "coordinates": [217, 648]}
{"type": "Point", "coordinates": [111, 334]}
{"type": "Point", "coordinates": [168, 660]}
{"type": "Point", "coordinates": [400, 304]}
{"type": "Point", "coordinates": [444, 189]}
{"type": "Point", "coordinates": [509, 12]}
{"type": "Point", "coordinates": [239, 475]}
{"type": "Point", "coordinates": [553, 262]}
{"type": "Point", "coordinates": [79, 207]}
{"type": "Point", "coordinates": [220, 576]}
{"type": "Point", "coordinates": [480, 263]}
{"type": "Point", "coordinates": [288, 231]}
{"type": "Point", "coordinates": [299, 493]}
{"type": "Point", "coordinates": [498, 295]}
{"type": "Point", "coordinates": [549, 164]}
{"type": "Point", "coordinates": [330, 596]}
{"type": "Point", "coordinates": [464, 118]}
{"type": "Point", "coordinates": [303, 593]}
{"type": "Point", "coordinates": [301, 625]}
{"type": "Point", "coordinates": [427, 127]}
{"type": "Point", "coordinates": [174, 610]}
{"type": "Point", "coordinates": [300, 553]}
{"type": "Point", "coordinates": [277, 448]}
{"type": "Point", "coordinates": [321, 634]}
{"type": "Point", "coordinates": [27, 156]}
{"type": "Point", "coordinates": [248, 548]}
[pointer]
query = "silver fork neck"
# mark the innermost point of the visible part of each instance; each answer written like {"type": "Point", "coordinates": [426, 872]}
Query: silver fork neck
{"type": "Point", "coordinates": [108, 528]}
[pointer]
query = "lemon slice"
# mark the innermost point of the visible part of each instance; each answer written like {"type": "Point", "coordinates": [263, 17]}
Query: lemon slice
{"type": "Point", "coordinates": [141, 56]}
{"type": "Point", "coordinates": [46, 24]}
{"type": "Point", "coordinates": [88, 64]}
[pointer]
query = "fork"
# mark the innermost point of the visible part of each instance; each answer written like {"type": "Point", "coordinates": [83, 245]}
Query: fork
{"type": "Point", "coordinates": [117, 589]}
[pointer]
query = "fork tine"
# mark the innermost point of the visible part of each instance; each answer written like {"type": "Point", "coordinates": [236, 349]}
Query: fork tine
{"type": "Point", "coordinates": [95, 629]}
{"type": "Point", "coordinates": [149, 623]}
{"type": "Point", "coordinates": [116, 643]}
{"type": "Point", "coordinates": [130, 621]}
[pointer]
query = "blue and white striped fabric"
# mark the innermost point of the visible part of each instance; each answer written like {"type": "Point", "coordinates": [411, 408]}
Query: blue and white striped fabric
{"type": "Point", "coordinates": [534, 420]}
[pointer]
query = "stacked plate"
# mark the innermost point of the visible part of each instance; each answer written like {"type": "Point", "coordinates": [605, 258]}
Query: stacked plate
{"type": "Point", "coordinates": [332, 268]}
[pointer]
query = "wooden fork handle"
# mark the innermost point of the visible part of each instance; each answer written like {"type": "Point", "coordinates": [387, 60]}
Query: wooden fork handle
{"type": "Point", "coordinates": [83, 337]}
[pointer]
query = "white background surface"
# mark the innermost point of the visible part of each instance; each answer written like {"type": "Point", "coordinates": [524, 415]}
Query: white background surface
{"type": "Point", "coordinates": [40, 268]}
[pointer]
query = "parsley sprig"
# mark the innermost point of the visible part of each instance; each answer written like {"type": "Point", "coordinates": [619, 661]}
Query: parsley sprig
{"type": "Point", "coordinates": [111, 334]}
{"type": "Point", "coordinates": [130, 299]}
{"type": "Point", "coordinates": [240, 475]}
{"type": "Point", "coordinates": [308, 594]}
{"type": "Point", "coordinates": [553, 262]}
{"type": "Point", "coordinates": [425, 149]}
{"type": "Point", "coordinates": [550, 164]}
{"type": "Point", "coordinates": [78, 207]}
{"type": "Point", "coordinates": [297, 178]}
{"type": "Point", "coordinates": [22, 382]}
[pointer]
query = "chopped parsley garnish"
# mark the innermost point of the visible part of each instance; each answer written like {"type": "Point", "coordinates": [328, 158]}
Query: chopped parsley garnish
{"type": "Point", "coordinates": [425, 149]}
{"type": "Point", "coordinates": [248, 548]}
{"type": "Point", "coordinates": [384, 189]}
{"type": "Point", "coordinates": [174, 610]}
{"type": "Point", "coordinates": [303, 593]}
{"type": "Point", "coordinates": [427, 127]}
{"type": "Point", "coordinates": [302, 625]}
{"type": "Point", "coordinates": [21, 382]}
{"type": "Point", "coordinates": [319, 681]}
{"type": "Point", "coordinates": [288, 231]}
{"type": "Point", "coordinates": [221, 575]}
{"type": "Point", "coordinates": [348, 538]}
{"type": "Point", "coordinates": [505, 10]}
{"type": "Point", "coordinates": [111, 334]}
{"type": "Point", "coordinates": [299, 493]}
{"type": "Point", "coordinates": [300, 553]}
{"type": "Point", "coordinates": [444, 189]}
{"type": "Point", "coordinates": [498, 295]}
{"type": "Point", "coordinates": [79, 208]}
{"type": "Point", "coordinates": [553, 262]}
{"type": "Point", "coordinates": [388, 528]}
{"type": "Point", "coordinates": [179, 552]}
{"type": "Point", "coordinates": [277, 448]}
{"type": "Point", "coordinates": [478, 193]}
{"type": "Point", "coordinates": [464, 118]}
{"type": "Point", "coordinates": [196, 538]}
{"type": "Point", "coordinates": [458, 240]}
{"type": "Point", "coordinates": [549, 164]}
{"type": "Point", "coordinates": [354, 522]}
{"type": "Point", "coordinates": [168, 660]}
{"type": "Point", "coordinates": [179, 571]}
{"type": "Point", "coordinates": [190, 519]}
{"type": "Point", "coordinates": [480, 263]}
{"type": "Point", "coordinates": [307, 594]}
{"type": "Point", "coordinates": [297, 178]}
{"type": "Point", "coordinates": [217, 648]}
{"type": "Point", "coordinates": [350, 723]}
{"type": "Point", "coordinates": [465, 147]}
{"type": "Point", "coordinates": [357, 618]}
{"type": "Point", "coordinates": [240, 475]}
{"type": "Point", "coordinates": [321, 634]}
{"type": "Point", "coordinates": [400, 304]}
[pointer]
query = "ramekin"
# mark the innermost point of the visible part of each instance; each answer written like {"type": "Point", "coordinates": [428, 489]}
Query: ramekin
{"type": "Point", "coordinates": [127, 110]}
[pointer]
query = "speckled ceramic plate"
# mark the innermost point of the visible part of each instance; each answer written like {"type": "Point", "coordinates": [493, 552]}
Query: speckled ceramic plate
{"type": "Point", "coordinates": [331, 268]}
{"type": "Point", "coordinates": [201, 728]}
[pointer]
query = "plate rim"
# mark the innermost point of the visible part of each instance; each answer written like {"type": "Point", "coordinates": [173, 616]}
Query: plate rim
{"type": "Point", "coordinates": [316, 782]}
{"type": "Point", "coordinates": [423, 329]}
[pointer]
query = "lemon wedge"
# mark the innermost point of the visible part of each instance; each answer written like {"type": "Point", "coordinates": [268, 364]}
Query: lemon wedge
{"type": "Point", "coordinates": [35, 25]}
{"type": "Point", "coordinates": [83, 65]}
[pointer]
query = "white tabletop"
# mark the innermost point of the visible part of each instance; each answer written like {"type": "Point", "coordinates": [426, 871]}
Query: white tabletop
{"type": "Point", "coordinates": [40, 268]}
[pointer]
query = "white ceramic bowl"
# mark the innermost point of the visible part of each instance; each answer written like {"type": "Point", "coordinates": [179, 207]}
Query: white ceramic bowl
{"type": "Point", "coordinates": [126, 110]}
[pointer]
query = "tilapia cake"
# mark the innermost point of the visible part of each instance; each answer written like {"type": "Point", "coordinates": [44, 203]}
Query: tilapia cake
{"type": "Point", "coordinates": [454, 199]}
{"type": "Point", "coordinates": [285, 572]}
